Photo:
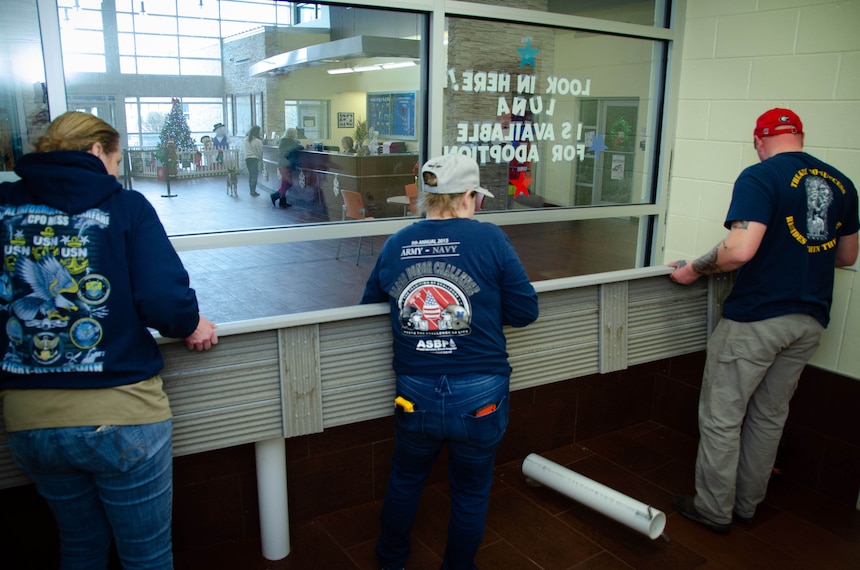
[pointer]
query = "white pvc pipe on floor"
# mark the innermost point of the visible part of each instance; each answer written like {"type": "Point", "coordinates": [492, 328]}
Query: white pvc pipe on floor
{"type": "Point", "coordinates": [271, 457]}
{"type": "Point", "coordinates": [618, 506]}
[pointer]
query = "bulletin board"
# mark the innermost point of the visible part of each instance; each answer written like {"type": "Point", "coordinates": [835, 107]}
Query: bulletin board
{"type": "Point", "coordinates": [392, 114]}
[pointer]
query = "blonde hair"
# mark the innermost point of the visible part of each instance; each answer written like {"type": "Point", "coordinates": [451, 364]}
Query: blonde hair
{"type": "Point", "coordinates": [78, 131]}
{"type": "Point", "coordinates": [438, 204]}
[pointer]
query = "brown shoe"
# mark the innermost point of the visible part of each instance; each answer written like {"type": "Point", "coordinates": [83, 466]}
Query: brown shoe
{"type": "Point", "coordinates": [684, 504]}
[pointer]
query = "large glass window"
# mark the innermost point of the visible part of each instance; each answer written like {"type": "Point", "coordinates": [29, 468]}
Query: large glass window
{"type": "Point", "coordinates": [159, 37]}
{"type": "Point", "coordinates": [145, 117]}
{"type": "Point", "coordinates": [562, 113]}
{"type": "Point", "coordinates": [556, 117]}
{"type": "Point", "coordinates": [23, 90]}
{"type": "Point", "coordinates": [309, 117]}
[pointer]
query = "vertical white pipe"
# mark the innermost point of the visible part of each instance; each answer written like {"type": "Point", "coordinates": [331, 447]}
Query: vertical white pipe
{"type": "Point", "coordinates": [272, 496]}
{"type": "Point", "coordinates": [605, 500]}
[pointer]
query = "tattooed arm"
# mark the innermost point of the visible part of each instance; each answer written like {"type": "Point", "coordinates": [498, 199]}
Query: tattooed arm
{"type": "Point", "coordinates": [739, 247]}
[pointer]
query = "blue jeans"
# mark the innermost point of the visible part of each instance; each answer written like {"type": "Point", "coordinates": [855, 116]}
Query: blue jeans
{"type": "Point", "coordinates": [102, 482]}
{"type": "Point", "coordinates": [253, 165]}
{"type": "Point", "coordinates": [444, 413]}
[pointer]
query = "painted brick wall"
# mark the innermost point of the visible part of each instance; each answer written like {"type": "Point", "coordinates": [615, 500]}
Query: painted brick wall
{"type": "Point", "coordinates": [739, 59]}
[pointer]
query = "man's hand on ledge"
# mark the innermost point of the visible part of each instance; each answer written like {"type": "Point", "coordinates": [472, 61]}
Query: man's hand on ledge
{"type": "Point", "coordinates": [203, 337]}
{"type": "Point", "coordinates": [684, 272]}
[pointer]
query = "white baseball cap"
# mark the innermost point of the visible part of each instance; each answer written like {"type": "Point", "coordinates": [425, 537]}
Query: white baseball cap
{"type": "Point", "coordinates": [455, 174]}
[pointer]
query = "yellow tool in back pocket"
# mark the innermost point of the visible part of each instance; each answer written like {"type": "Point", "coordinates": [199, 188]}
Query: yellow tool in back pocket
{"type": "Point", "coordinates": [405, 404]}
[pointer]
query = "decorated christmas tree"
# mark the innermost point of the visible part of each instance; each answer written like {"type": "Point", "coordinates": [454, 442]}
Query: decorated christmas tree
{"type": "Point", "coordinates": [176, 129]}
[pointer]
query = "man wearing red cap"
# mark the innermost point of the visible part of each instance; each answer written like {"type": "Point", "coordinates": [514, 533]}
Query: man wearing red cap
{"type": "Point", "coordinates": [791, 221]}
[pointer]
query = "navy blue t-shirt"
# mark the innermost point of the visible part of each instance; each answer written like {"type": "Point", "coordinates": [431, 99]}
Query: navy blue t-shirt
{"type": "Point", "coordinates": [807, 205]}
{"type": "Point", "coordinates": [452, 285]}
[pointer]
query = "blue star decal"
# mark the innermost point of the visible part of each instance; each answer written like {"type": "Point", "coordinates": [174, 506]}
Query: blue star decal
{"type": "Point", "coordinates": [528, 54]}
{"type": "Point", "coordinates": [597, 145]}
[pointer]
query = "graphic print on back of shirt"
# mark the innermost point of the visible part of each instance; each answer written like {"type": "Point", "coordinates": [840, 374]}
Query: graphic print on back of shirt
{"type": "Point", "coordinates": [819, 196]}
{"type": "Point", "coordinates": [433, 295]}
{"type": "Point", "coordinates": [49, 269]}
{"type": "Point", "coordinates": [432, 306]}
{"type": "Point", "coordinates": [818, 188]}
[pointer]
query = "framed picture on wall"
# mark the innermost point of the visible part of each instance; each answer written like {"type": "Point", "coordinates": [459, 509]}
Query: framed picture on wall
{"type": "Point", "coordinates": [345, 120]}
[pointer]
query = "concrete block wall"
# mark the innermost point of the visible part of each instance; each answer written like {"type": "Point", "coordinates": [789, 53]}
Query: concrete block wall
{"type": "Point", "coordinates": [740, 58]}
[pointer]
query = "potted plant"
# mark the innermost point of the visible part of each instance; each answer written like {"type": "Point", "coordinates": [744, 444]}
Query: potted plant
{"type": "Point", "coordinates": [360, 133]}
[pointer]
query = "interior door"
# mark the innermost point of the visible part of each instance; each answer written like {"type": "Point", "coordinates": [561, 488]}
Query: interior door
{"type": "Point", "coordinates": [606, 177]}
{"type": "Point", "coordinates": [617, 163]}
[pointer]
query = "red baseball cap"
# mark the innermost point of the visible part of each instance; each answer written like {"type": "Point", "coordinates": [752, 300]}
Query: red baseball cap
{"type": "Point", "coordinates": [778, 122]}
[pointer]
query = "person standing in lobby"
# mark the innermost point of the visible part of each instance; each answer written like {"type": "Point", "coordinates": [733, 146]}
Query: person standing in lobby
{"type": "Point", "coordinates": [449, 305]}
{"type": "Point", "coordinates": [792, 220]}
{"type": "Point", "coordinates": [89, 270]}
{"type": "Point", "coordinates": [288, 164]}
{"type": "Point", "coordinates": [253, 157]}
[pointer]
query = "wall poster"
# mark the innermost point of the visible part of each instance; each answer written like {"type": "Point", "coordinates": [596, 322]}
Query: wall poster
{"type": "Point", "coordinates": [392, 114]}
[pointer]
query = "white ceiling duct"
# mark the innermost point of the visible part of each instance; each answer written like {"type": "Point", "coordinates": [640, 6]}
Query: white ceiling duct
{"type": "Point", "coordinates": [337, 51]}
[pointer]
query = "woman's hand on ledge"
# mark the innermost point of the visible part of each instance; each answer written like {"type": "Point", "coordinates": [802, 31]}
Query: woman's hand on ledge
{"type": "Point", "coordinates": [203, 337]}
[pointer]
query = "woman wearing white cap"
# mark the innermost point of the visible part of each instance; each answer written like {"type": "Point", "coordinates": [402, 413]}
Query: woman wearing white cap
{"type": "Point", "coordinates": [452, 283]}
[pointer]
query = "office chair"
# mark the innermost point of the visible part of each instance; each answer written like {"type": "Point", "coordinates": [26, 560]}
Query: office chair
{"type": "Point", "coordinates": [353, 208]}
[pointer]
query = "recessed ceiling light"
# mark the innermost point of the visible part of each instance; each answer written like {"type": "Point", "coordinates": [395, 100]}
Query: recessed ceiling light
{"type": "Point", "coordinates": [398, 64]}
{"type": "Point", "coordinates": [361, 68]}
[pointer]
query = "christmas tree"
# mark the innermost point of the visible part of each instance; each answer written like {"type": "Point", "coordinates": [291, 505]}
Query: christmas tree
{"type": "Point", "coordinates": [175, 129]}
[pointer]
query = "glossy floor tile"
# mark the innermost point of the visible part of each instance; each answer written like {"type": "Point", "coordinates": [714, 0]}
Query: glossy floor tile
{"type": "Point", "coordinates": [531, 527]}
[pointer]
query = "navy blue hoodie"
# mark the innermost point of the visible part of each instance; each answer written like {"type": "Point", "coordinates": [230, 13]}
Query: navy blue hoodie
{"type": "Point", "coordinates": [87, 267]}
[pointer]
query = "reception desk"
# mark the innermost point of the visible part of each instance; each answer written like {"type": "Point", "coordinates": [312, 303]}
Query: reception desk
{"type": "Point", "coordinates": [321, 176]}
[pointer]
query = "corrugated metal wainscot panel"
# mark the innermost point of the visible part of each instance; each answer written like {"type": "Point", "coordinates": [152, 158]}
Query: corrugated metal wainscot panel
{"type": "Point", "coordinates": [666, 319]}
{"type": "Point", "coordinates": [226, 396]}
{"type": "Point", "coordinates": [355, 369]}
{"type": "Point", "coordinates": [613, 327]}
{"type": "Point", "coordinates": [225, 427]}
{"type": "Point", "coordinates": [301, 380]}
{"type": "Point", "coordinates": [561, 344]}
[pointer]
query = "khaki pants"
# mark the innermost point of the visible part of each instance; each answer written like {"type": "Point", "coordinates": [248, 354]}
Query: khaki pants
{"type": "Point", "coordinates": [751, 373]}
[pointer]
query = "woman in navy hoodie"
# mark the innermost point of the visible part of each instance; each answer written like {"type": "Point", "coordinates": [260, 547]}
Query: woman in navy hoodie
{"type": "Point", "coordinates": [87, 270]}
{"type": "Point", "coordinates": [452, 283]}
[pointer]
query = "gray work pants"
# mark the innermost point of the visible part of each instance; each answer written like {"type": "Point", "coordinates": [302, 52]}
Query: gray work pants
{"type": "Point", "coordinates": [751, 373]}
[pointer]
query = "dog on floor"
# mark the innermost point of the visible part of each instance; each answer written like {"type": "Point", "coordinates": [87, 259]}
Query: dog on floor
{"type": "Point", "coordinates": [232, 182]}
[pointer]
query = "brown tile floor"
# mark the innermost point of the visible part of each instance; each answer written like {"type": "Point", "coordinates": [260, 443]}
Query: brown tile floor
{"type": "Point", "coordinates": [537, 528]}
